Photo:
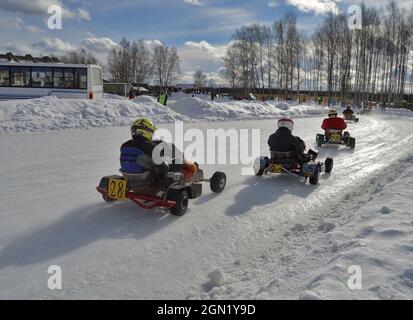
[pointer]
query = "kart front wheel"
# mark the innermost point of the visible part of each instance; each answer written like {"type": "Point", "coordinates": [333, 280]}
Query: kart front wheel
{"type": "Point", "coordinates": [259, 173]}
{"type": "Point", "coordinates": [329, 165]}
{"type": "Point", "coordinates": [314, 179]}
{"type": "Point", "coordinates": [320, 140]}
{"type": "Point", "coordinates": [181, 205]}
{"type": "Point", "coordinates": [352, 143]}
{"type": "Point", "coordinates": [107, 199]}
{"type": "Point", "coordinates": [218, 182]}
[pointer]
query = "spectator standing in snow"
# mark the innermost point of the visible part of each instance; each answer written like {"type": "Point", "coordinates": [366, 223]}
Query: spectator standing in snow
{"type": "Point", "coordinates": [132, 94]}
{"type": "Point", "coordinates": [163, 98]}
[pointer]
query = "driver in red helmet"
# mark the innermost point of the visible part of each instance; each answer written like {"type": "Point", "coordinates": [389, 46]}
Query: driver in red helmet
{"type": "Point", "coordinates": [333, 122]}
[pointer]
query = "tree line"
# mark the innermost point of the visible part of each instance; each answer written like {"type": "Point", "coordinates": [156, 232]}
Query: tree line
{"type": "Point", "coordinates": [135, 62]}
{"type": "Point", "coordinates": [358, 64]}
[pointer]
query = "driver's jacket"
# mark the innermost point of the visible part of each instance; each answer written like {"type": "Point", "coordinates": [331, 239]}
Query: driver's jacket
{"type": "Point", "coordinates": [348, 113]}
{"type": "Point", "coordinates": [131, 150]}
{"type": "Point", "coordinates": [334, 123]}
{"type": "Point", "coordinates": [283, 141]}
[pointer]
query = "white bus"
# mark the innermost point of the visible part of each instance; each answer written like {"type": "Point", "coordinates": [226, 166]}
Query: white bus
{"type": "Point", "coordinates": [34, 80]}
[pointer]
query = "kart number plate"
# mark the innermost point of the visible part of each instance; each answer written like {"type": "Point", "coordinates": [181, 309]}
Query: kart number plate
{"type": "Point", "coordinates": [117, 189]}
{"type": "Point", "coordinates": [336, 138]}
{"type": "Point", "coordinates": [277, 168]}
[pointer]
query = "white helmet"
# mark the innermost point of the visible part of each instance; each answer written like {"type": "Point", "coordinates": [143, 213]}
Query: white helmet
{"type": "Point", "coordinates": [286, 123]}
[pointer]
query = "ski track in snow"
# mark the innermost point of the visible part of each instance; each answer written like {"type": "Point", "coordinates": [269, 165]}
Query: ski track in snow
{"type": "Point", "coordinates": [259, 239]}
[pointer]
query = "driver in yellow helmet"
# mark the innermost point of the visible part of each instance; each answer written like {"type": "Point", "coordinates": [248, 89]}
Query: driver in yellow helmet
{"type": "Point", "coordinates": [142, 131]}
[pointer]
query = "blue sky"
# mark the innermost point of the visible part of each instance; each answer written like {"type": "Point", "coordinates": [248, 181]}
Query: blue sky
{"type": "Point", "coordinates": [200, 29]}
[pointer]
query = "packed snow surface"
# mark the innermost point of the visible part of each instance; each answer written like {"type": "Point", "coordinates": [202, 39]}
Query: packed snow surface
{"type": "Point", "coordinates": [262, 238]}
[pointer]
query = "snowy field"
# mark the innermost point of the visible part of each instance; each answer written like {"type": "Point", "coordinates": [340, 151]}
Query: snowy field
{"type": "Point", "coordinates": [260, 239]}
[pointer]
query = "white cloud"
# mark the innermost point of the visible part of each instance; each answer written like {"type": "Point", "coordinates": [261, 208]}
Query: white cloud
{"type": "Point", "coordinates": [83, 14]}
{"type": "Point", "coordinates": [40, 7]}
{"type": "Point", "coordinates": [34, 29]}
{"type": "Point", "coordinates": [273, 3]}
{"type": "Point", "coordinates": [152, 43]}
{"type": "Point", "coordinates": [316, 6]}
{"type": "Point", "coordinates": [98, 44]}
{"type": "Point", "coordinates": [11, 23]}
{"type": "Point", "coordinates": [194, 2]}
{"type": "Point", "coordinates": [53, 45]}
{"type": "Point", "coordinates": [216, 52]}
{"type": "Point", "coordinates": [202, 56]}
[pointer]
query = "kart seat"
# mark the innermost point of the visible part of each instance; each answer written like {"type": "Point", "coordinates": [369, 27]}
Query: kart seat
{"type": "Point", "coordinates": [145, 176]}
{"type": "Point", "coordinates": [335, 131]}
{"type": "Point", "coordinates": [284, 158]}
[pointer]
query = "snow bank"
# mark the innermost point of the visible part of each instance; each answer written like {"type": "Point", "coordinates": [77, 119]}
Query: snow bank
{"type": "Point", "coordinates": [50, 113]}
{"type": "Point", "coordinates": [201, 109]}
{"type": "Point", "coordinates": [379, 241]}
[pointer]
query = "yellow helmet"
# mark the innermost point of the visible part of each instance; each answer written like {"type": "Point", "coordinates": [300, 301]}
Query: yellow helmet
{"type": "Point", "coordinates": [143, 127]}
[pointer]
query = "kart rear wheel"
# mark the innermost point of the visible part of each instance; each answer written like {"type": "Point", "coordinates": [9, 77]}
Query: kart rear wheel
{"type": "Point", "coordinates": [352, 143]}
{"type": "Point", "coordinates": [329, 165]}
{"type": "Point", "coordinates": [218, 182]}
{"type": "Point", "coordinates": [320, 140]}
{"type": "Point", "coordinates": [181, 205]}
{"type": "Point", "coordinates": [259, 173]}
{"type": "Point", "coordinates": [314, 179]}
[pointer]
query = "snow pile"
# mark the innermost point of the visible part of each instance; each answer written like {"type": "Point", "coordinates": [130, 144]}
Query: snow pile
{"type": "Point", "coordinates": [202, 109]}
{"type": "Point", "coordinates": [50, 113]}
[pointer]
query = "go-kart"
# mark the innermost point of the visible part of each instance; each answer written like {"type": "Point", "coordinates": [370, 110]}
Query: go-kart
{"type": "Point", "coordinates": [168, 189]}
{"type": "Point", "coordinates": [336, 137]}
{"type": "Point", "coordinates": [351, 117]}
{"type": "Point", "coordinates": [286, 162]}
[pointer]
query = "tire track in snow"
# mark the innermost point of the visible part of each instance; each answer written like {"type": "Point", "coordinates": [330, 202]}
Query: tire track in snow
{"type": "Point", "coordinates": [282, 256]}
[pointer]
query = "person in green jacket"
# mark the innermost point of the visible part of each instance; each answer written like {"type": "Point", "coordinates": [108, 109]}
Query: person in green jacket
{"type": "Point", "coordinates": [163, 98]}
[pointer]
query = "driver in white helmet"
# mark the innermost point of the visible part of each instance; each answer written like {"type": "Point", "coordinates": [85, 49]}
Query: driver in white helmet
{"type": "Point", "coordinates": [284, 141]}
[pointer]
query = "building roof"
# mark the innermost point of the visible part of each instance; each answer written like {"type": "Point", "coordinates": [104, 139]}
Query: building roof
{"type": "Point", "coordinates": [27, 58]}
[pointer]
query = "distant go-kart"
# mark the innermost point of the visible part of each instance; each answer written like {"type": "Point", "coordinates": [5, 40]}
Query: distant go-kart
{"type": "Point", "coordinates": [286, 163]}
{"type": "Point", "coordinates": [336, 137]}
{"type": "Point", "coordinates": [170, 192]}
{"type": "Point", "coordinates": [351, 117]}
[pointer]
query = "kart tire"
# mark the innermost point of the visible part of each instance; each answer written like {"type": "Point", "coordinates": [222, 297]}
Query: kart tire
{"type": "Point", "coordinates": [329, 164]}
{"type": "Point", "coordinates": [260, 173]}
{"type": "Point", "coordinates": [320, 140]}
{"type": "Point", "coordinates": [181, 205]}
{"type": "Point", "coordinates": [107, 199]}
{"type": "Point", "coordinates": [218, 182]}
{"type": "Point", "coordinates": [352, 143]}
{"type": "Point", "coordinates": [314, 179]}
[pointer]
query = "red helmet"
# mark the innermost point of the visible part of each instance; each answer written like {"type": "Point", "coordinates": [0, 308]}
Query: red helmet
{"type": "Point", "coordinates": [286, 123]}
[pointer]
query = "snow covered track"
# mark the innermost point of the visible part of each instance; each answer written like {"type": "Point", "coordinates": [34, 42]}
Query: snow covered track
{"type": "Point", "coordinates": [263, 238]}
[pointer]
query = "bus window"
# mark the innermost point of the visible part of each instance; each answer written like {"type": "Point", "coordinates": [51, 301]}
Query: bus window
{"type": "Point", "coordinates": [4, 77]}
{"type": "Point", "coordinates": [80, 78]}
{"type": "Point", "coordinates": [49, 78]}
{"type": "Point", "coordinates": [41, 77]}
{"type": "Point", "coordinates": [58, 78]}
{"type": "Point", "coordinates": [69, 79]}
{"type": "Point", "coordinates": [20, 76]}
{"type": "Point", "coordinates": [97, 77]}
